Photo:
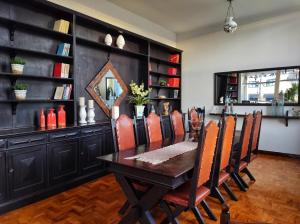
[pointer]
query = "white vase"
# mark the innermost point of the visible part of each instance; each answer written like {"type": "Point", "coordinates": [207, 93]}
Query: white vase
{"type": "Point", "coordinates": [108, 39]}
{"type": "Point", "coordinates": [82, 115]}
{"type": "Point", "coordinates": [17, 69]}
{"type": "Point", "coordinates": [139, 110]}
{"type": "Point", "coordinates": [20, 94]}
{"type": "Point", "coordinates": [120, 41]}
{"type": "Point", "coordinates": [91, 115]}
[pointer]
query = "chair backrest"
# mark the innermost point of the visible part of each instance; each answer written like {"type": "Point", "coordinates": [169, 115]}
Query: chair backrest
{"type": "Point", "coordinates": [204, 158]}
{"type": "Point", "coordinates": [123, 133]}
{"type": "Point", "coordinates": [177, 123]}
{"type": "Point", "coordinates": [245, 136]}
{"type": "Point", "coordinates": [227, 139]}
{"type": "Point", "coordinates": [256, 130]}
{"type": "Point", "coordinates": [153, 128]}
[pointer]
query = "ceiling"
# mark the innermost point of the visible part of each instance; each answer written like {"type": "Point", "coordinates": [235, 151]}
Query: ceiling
{"type": "Point", "coordinates": [184, 16]}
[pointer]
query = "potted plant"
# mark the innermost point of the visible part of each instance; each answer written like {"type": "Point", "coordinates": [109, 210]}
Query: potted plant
{"type": "Point", "coordinates": [139, 97]}
{"type": "Point", "coordinates": [20, 90]}
{"type": "Point", "coordinates": [163, 82]}
{"type": "Point", "coordinates": [291, 94]}
{"type": "Point", "coordinates": [17, 65]}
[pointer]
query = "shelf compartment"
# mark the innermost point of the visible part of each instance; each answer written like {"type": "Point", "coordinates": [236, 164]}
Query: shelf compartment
{"type": "Point", "coordinates": [36, 101]}
{"type": "Point", "coordinates": [37, 30]}
{"type": "Point", "coordinates": [164, 75]}
{"type": "Point", "coordinates": [165, 99]}
{"type": "Point", "coordinates": [163, 87]}
{"type": "Point", "coordinates": [90, 43]}
{"type": "Point", "coordinates": [12, 76]}
{"type": "Point", "coordinates": [163, 61]}
{"type": "Point", "coordinates": [15, 50]}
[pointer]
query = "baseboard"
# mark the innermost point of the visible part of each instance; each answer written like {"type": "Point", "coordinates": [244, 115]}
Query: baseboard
{"type": "Point", "coordinates": [279, 154]}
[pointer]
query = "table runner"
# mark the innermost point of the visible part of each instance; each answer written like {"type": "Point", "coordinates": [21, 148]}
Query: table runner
{"type": "Point", "coordinates": [163, 154]}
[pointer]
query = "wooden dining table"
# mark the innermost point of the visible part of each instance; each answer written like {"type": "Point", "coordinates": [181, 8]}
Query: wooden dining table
{"type": "Point", "coordinates": [159, 178]}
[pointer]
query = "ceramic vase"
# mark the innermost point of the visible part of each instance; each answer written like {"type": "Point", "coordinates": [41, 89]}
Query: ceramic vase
{"type": "Point", "coordinates": [17, 69]}
{"type": "Point", "coordinates": [139, 110]}
{"type": "Point", "coordinates": [51, 119]}
{"type": "Point", "coordinates": [91, 115]}
{"type": "Point", "coordinates": [61, 114]}
{"type": "Point", "coordinates": [108, 39]}
{"type": "Point", "coordinates": [120, 41]}
{"type": "Point", "coordinates": [42, 119]}
{"type": "Point", "coordinates": [82, 114]}
{"type": "Point", "coordinates": [20, 94]}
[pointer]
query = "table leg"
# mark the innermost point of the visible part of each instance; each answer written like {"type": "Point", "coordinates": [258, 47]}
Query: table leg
{"type": "Point", "coordinates": [140, 206]}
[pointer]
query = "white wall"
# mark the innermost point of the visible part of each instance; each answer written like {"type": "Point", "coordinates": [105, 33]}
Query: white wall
{"type": "Point", "coordinates": [269, 43]}
{"type": "Point", "coordinates": [111, 13]}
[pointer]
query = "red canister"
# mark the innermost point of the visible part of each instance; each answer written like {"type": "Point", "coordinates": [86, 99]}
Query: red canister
{"type": "Point", "coordinates": [61, 114]}
{"type": "Point", "coordinates": [51, 118]}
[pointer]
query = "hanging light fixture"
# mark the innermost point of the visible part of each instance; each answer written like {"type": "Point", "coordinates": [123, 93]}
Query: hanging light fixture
{"type": "Point", "coordinates": [230, 25]}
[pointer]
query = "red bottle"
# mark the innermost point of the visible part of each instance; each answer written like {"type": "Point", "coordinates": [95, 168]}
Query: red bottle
{"type": "Point", "coordinates": [51, 119]}
{"type": "Point", "coordinates": [61, 114]}
{"type": "Point", "coordinates": [42, 119]}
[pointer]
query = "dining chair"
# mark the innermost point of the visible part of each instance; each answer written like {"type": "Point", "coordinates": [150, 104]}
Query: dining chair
{"type": "Point", "coordinates": [195, 119]}
{"type": "Point", "coordinates": [177, 126]}
{"type": "Point", "coordinates": [194, 192]}
{"type": "Point", "coordinates": [125, 138]}
{"type": "Point", "coordinates": [221, 166]}
{"type": "Point", "coordinates": [239, 161]}
{"type": "Point", "coordinates": [153, 128]}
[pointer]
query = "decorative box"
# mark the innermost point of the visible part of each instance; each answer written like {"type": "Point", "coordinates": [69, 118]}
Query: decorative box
{"type": "Point", "coordinates": [173, 82]}
{"type": "Point", "coordinates": [174, 58]}
{"type": "Point", "coordinates": [172, 71]}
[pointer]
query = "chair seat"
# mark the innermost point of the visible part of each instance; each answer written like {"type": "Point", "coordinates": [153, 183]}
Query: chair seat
{"type": "Point", "coordinates": [180, 196]}
{"type": "Point", "coordinates": [243, 165]}
{"type": "Point", "coordinates": [223, 176]}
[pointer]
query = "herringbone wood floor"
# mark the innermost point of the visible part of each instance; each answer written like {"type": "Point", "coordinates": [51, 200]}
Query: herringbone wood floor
{"type": "Point", "coordinates": [273, 198]}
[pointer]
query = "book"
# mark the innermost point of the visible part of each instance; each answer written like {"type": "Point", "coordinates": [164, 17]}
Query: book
{"type": "Point", "coordinates": [61, 70]}
{"type": "Point", "coordinates": [57, 70]}
{"type": "Point", "coordinates": [63, 49]}
{"type": "Point", "coordinates": [59, 91]}
{"type": "Point", "coordinates": [67, 91]}
{"type": "Point", "coordinates": [61, 26]}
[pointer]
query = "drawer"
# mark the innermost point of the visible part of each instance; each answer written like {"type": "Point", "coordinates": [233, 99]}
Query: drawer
{"type": "Point", "coordinates": [26, 140]}
{"type": "Point", "coordinates": [93, 130]}
{"type": "Point", "coordinates": [63, 135]}
{"type": "Point", "coordinates": [2, 144]}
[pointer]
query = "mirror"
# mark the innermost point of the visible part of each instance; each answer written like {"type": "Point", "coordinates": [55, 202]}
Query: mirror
{"type": "Point", "coordinates": [107, 88]}
{"type": "Point", "coordinates": [258, 87]}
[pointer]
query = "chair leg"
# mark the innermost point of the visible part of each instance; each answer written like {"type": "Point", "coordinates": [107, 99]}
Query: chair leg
{"type": "Point", "coordinates": [208, 210]}
{"type": "Point", "coordinates": [249, 174]}
{"type": "Point", "coordinates": [124, 208]}
{"type": "Point", "coordinates": [243, 182]}
{"type": "Point", "coordinates": [238, 182]}
{"type": "Point", "coordinates": [170, 217]}
{"type": "Point", "coordinates": [198, 215]}
{"type": "Point", "coordinates": [216, 193]}
{"type": "Point", "coordinates": [229, 191]}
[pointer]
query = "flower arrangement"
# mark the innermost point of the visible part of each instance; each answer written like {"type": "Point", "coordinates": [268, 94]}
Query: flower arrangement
{"type": "Point", "coordinates": [139, 94]}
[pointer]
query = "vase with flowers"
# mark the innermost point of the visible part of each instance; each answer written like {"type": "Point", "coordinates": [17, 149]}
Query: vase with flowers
{"type": "Point", "coordinates": [139, 97]}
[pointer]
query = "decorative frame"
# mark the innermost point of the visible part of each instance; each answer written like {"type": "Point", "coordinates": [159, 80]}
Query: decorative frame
{"type": "Point", "coordinates": [90, 87]}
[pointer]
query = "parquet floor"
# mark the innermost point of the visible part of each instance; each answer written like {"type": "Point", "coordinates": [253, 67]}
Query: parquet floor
{"type": "Point", "coordinates": [273, 198]}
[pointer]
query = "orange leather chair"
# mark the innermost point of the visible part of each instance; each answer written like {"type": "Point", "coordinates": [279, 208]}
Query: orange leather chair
{"type": "Point", "coordinates": [194, 192]}
{"type": "Point", "coordinates": [239, 162]}
{"type": "Point", "coordinates": [177, 126]}
{"type": "Point", "coordinates": [222, 159]}
{"type": "Point", "coordinates": [153, 128]}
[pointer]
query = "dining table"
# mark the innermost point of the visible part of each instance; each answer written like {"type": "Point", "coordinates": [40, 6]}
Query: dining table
{"type": "Point", "coordinates": [159, 178]}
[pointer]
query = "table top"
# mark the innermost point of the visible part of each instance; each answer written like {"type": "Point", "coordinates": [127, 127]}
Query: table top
{"type": "Point", "coordinates": [172, 168]}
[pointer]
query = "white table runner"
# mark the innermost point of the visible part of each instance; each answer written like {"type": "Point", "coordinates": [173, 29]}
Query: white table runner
{"type": "Point", "coordinates": [163, 154]}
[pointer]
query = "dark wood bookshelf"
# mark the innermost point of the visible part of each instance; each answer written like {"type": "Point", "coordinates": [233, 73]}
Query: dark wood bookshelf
{"type": "Point", "coordinates": [18, 25]}
{"type": "Point", "coordinates": [36, 101]}
{"type": "Point", "coordinates": [163, 61]}
{"type": "Point", "coordinates": [112, 49]}
{"type": "Point", "coordinates": [156, 98]}
{"type": "Point", "coordinates": [164, 75]}
{"type": "Point", "coordinates": [12, 76]}
{"type": "Point", "coordinates": [163, 87]}
{"type": "Point", "coordinates": [16, 50]}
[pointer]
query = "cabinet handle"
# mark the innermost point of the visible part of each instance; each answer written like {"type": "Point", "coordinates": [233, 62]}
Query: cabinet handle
{"type": "Point", "coordinates": [11, 170]}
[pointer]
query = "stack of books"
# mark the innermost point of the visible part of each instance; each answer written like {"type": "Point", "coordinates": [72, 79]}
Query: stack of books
{"type": "Point", "coordinates": [63, 49]}
{"type": "Point", "coordinates": [61, 26]}
{"type": "Point", "coordinates": [63, 92]}
{"type": "Point", "coordinates": [61, 70]}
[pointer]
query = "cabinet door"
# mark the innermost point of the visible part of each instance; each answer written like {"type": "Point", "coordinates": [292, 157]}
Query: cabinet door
{"type": "Point", "coordinates": [63, 160]}
{"type": "Point", "coordinates": [90, 148]}
{"type": "Point", "coordinates": [26, 170]}
{"type": "Point", "coordinates": [2, 176]}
